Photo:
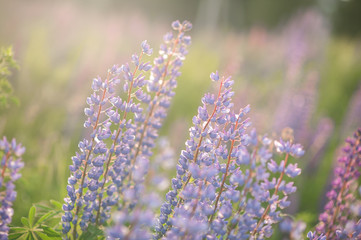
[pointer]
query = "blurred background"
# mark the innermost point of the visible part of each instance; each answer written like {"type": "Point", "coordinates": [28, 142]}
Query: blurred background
{"type": "Point", "coordinates": [298, 63]}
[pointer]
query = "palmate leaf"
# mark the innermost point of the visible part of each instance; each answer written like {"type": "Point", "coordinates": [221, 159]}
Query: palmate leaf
{"type": "Point", "coordinates": [34, 227]}
{"type": "Point", "coordinates": [49, 215]}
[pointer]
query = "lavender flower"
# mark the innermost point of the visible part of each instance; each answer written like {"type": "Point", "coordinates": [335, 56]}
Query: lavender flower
{"type": "Point", "coordinates": [338, 221]}
{"type": "Point", "coordinates": [11, 163]}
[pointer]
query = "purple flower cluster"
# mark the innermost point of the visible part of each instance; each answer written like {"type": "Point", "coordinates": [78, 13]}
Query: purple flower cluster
{"type": "Point", "coordinates": [225, 176]}
{"type": "Point", "coordinates": [341, 216]}
{"type": "Point", "coordinates": [11, 163]}
{"type": "Point", "coordinates": [294, 229]}
{"type": "Point", "coordinates": [109, 168]}
{"type": "Point", "coordinates": [141, 219]}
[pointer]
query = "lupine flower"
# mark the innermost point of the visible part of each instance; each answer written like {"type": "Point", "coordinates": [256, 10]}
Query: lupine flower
{"type": "Point", "coordinates": [117, 162]}
{"type": "Point", "coordinates": [116, 157]}
{"type": "Point", "coordinates": [162, 81]}
{"type": "Point", "coordinates": [337, 221]}
{"type": "Point", "coordinates": [11, 163]}
{"type": "Point", "coordinates": [92, 166]}
{"type": "Point", "coordinates": [211, 179]}
{"type": "Point", "coordinates": [88, 162]}
{"type": "Point", "coordinates": [199, 160]}
{"type": "Point", "coordinates": [251, 219]}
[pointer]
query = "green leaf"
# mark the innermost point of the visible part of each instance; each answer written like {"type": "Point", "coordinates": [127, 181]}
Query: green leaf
{"type": "Point", "coordinates": [32, 212]}
{"type": "Point", "coordinates": [57, 204]}
{"type": "Point", "coordinates": [34, 236]}
{"type": "Point", "coordinates": [46, 237]}
{"type": "Point", "coordinates": [43, 236]}
{"type": "Point", "coordinates": [17, 229]}
{"type": "Point", "coordinates": [25, 222]}
{"type": "Point", "coordinates": [29, 236]}
{"type": "Point", "coordinates": [50, 232]}
{"type": "Point", "coordinates": [43, 207]}
{"type": "Point", "coordinates": [23, 237]}
{"type": "Point", "coordinates": [46, 217]}
{"type": "Point", "coordinates": [15, 235]}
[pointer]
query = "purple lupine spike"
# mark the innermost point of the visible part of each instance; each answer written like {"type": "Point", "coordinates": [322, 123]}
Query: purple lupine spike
{"type": "Point", "coordinates": [264, 227]}
{"type": "Point", "coordinates": [202, 160]}
{"type": "Point", "coordinates": [11, 163]}
{"type": "Point", "coordinates": [127, 159]}
{"type": "Point", "coordinates": [123, 138]}
{"type": "Point", "coordinates": [183, 176]}
{"type": "Point", "coordinates": [250, 218]}
{"type": "Point", "coordinates": [86, 167]}
{"type": "Point", "coordinates": [162, 82]}
{"type": "Point", "coordinates": [337, 220]}
{"type": "Point", "coordinates": [160, 91]}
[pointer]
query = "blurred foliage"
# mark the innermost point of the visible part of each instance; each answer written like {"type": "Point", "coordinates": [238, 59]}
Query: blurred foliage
{"type": "Point", "coordinates": [346, 20]}
{"type": "Point", "coordinates": [192, 84]}
{"type": "Point", "coordinates": [235, 15]}
{"type": "Point", "coordinates": [40, 123]}
{"type": "Point", "coordinates": [340, 78]}
{"type": "Point", "coordinates": [6, 90]}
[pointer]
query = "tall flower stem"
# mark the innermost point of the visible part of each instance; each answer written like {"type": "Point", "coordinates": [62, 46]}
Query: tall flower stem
{"type": "Point", "coordinates": [150, 114]}
{"type": "Point", "coordinates": [196, 203]}
{"type": "Point", "coordinates": [87, 158]}
{"type": "Point", "coordinates": [201, 139]}
{"type": "Point", "coordinates": [105, 175]}
{"type": "Point", "coordinates": [226, 173]}
{"type": "Point", "coordinates": [5, 165]}
{"type": "Point", "coordinates": [343, 188]}
{"type": "Point", "coordinates": [244, 192]}
{"type": "Point", "coordinates": [274, 194]}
